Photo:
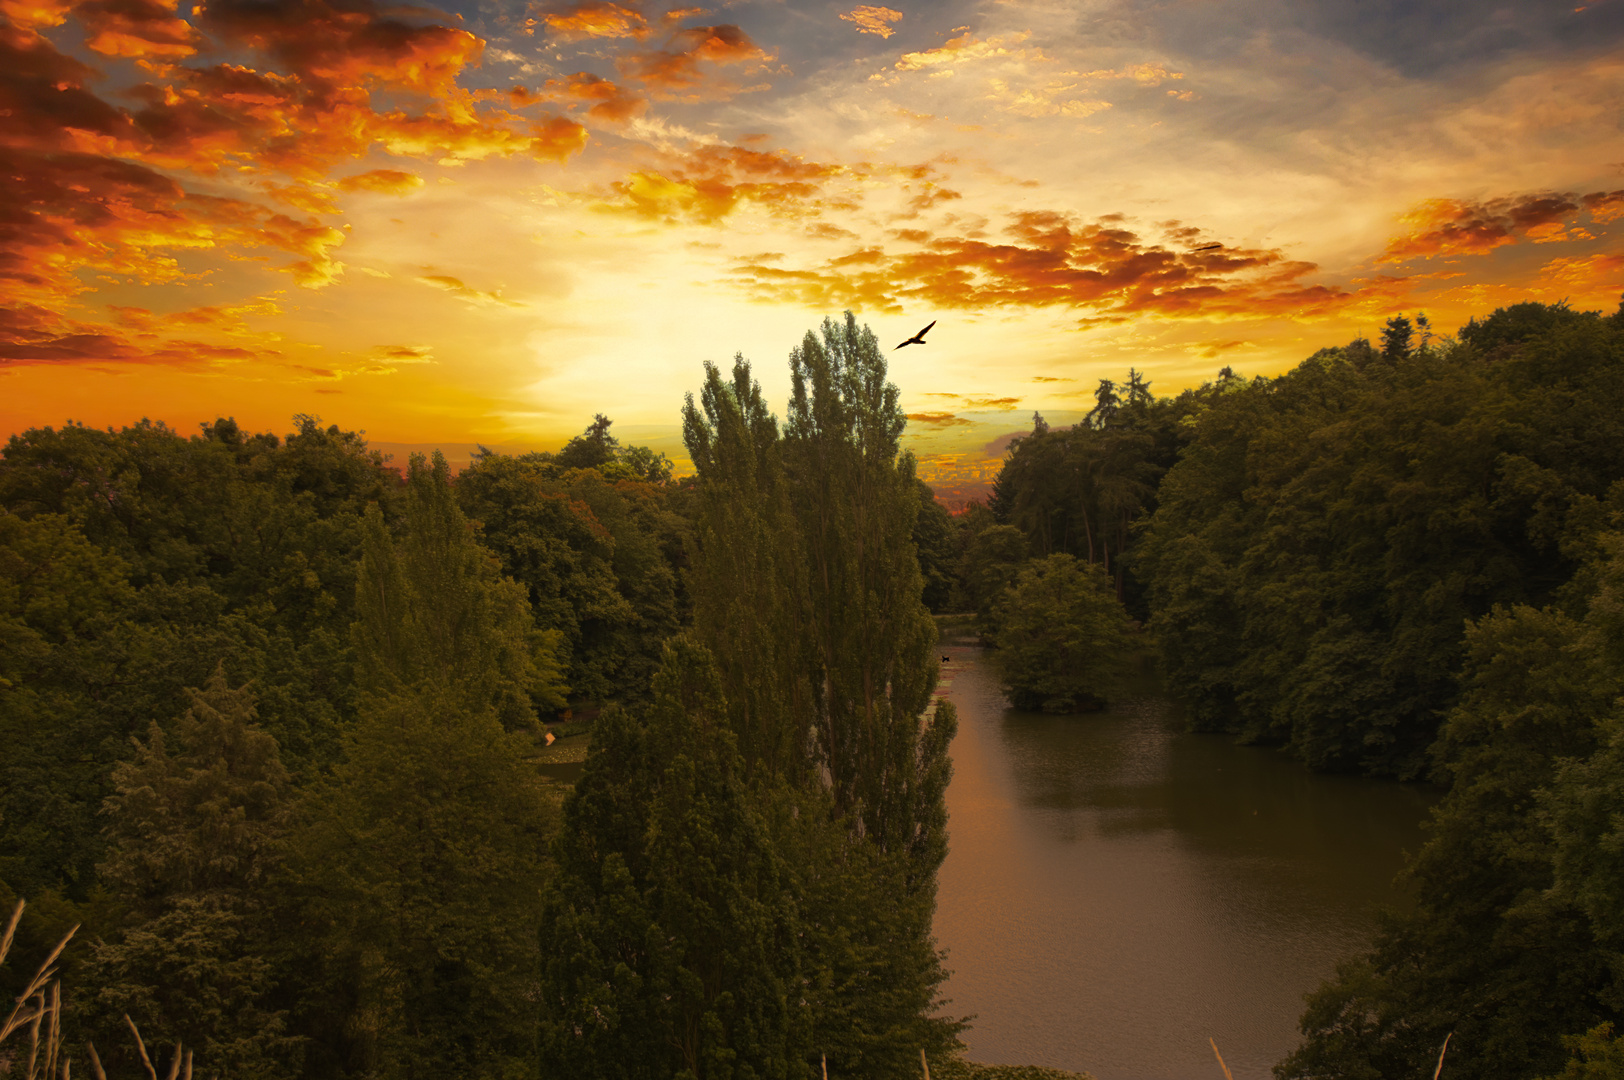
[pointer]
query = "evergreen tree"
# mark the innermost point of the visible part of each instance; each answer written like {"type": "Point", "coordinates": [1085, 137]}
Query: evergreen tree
{"type": "Point", "coordinates": [872, 642]}
{"type": "Point", "coordinates": [1396, 339]}
{"type": "Point", "coordinates": [194, 835]}
{"type": "Point", "coordinates": [749, 575]}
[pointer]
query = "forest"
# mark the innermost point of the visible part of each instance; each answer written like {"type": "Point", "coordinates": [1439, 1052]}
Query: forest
{"type": "Point", "coordinates": [276, 714]}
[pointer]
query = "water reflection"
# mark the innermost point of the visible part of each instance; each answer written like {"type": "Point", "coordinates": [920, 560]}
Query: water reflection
{"type": "Point", "coordinates": [1118, 890]}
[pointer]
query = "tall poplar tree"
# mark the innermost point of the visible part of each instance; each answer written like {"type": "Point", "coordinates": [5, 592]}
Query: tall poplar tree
{"type": "Point", "coordinates": [808, 590]}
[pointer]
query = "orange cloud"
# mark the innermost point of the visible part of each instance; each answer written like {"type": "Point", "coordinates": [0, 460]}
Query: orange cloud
{"type": "Point", "coordinates": [384, 181]}
{"type": "Point", "coordinates": [611, 102]}
{"type": "Point", "coordinates": [676, 71]}
{"type": "Point", "coordinates": [873, 20]}
{"type": "Point", "coordinates": [710, 183]}
{"type": "Point", "coordinates": [356, 45]}
{"type": "Point", "coordinates": [1441, 227]}
{"type": "Point", "coordinates": [1589, 274]}
{"type": "Point", "coordinates": [1053, 260]}
{"type": "Point", "coordinates": [30, 14]}
{"type": "Point", "coordinates": [136, 28]}
{"type": "Point", "coordinates": [938, 419]}
{"type": "Point", "coordinates": [1002, 404]}
{"type": "Point", "coordinates": [597, 19]}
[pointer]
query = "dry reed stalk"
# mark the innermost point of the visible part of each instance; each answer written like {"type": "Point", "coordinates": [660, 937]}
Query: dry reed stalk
{"type": "Point", "coordinates": [37, 983]}
{"type": "Point", "coordinates": [1220, 1057]}
{"type": "Point", "coordinates": [11, 931]}
{"type": "Point", "coordinates": [141, 1046]}
{"type": "Point", "coordinates": [1441, 1053]}
{"type": "Point", "coordinates": [95, 1062]}
{"type": "Point", "coordinates": [923, 1063]}
{"type": "Point", "coordinates": [825, 1067]}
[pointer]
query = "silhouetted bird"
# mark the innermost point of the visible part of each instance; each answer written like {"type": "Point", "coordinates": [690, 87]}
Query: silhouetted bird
{"type": "Point", "coordinates": [1207, 247]}
{"type": "Point", "coordinates": [919, 338]}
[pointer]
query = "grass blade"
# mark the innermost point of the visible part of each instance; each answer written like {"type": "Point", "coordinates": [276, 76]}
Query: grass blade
{"type": "Point", "coordinates": [1441, 1054]}
{"type": "Point", "coordinates": [1220, 1057]}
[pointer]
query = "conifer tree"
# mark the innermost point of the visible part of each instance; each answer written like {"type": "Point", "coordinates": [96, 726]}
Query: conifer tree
{"type": "Point", "coordinates": [872, 641]}
{"type": "Point", "coordinates": [194, 828]}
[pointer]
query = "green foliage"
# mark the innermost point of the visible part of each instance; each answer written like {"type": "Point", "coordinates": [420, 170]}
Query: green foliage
{"type": "Point", "coordinates": [1597, 1055]}
{"type": "Point", "coordinates": [671, 931]}
{"type": "Point", "coordinates": [597, 549]}
{"type": "Point", "coordinates": [435, 616]}
{"type": "Point", "coordinates": [934, 540]}
{"type": "Point", "coordinates": [1512, 940]}
{"type": "Point", "coordinates": [991, 561]}
{"type": "Point", "coordinates": [807, 590]}
{"type": "Point", "coordinates": [1062, 637]}
{"type": "Point", "coordinates": [193, 842]}
{"type": "Point", "coordinates": [749, 574]}
{"type": "Point", "coordinates": [1325, 535]}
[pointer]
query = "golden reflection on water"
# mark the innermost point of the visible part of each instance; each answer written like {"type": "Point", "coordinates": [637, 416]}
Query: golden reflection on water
{"type": "Point", "coordinates": [1118, 891]}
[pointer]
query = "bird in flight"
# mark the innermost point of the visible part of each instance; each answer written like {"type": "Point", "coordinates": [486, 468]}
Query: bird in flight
{"type": "Point", "coordinates": [919, 338]}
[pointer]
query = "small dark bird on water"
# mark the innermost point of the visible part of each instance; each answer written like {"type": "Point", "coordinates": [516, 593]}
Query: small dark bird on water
{"type": "Point", "coordinates": [919, 338]}
{"type": "Point", "coordinates": [1207, 247]}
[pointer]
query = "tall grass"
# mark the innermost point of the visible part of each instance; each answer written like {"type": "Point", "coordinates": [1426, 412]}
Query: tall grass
{"type": "Point", "coordinates": [38, 1010]}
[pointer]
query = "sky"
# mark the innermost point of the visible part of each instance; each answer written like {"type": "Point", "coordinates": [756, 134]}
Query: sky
{"type": "Point", "coordinates": [485, 222]}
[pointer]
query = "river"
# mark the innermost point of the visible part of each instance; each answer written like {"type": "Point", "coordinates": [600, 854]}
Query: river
{"type": "Point", "coordinates": [1117, 891]}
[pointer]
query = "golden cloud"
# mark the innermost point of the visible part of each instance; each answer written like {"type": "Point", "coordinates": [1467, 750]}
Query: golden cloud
{"type": "Point", "coordinates": [597, 19]}
{"type": "Point", "coordinates": [873, 20]}
{"type": "Point", "coordinates": [676, 71]}
{"type": "Point", "coordinates": [712, 181]}
{"type": "Point", "coordinates": [383, 181]}
{"type": "Point", "coordinates": [1051, 259]}
{"type": "Point", "coordinates": [938, 419]}
{"type": "Point", "coordinates": [611, 102]}
{"type": "Point", "coordinates": [1143, 74]}
{"type": "Point", "coordinates": [1443, 227]}
{"type": "Point", "coordinates": [461, 291]}
{"type": "Point", "coordinates": [964, 47]}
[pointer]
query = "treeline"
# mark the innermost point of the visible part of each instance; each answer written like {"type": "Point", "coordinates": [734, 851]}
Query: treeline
{"type": "Point", "coordinates": [1405, 561]}
{"type": "Point", "coordinates": [271, 711]}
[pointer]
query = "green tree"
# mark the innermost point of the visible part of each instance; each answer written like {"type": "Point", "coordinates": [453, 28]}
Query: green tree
{"type": "Point", "coordinates": [1062, 637]}
{"type": "Point", "coordinates": [437, 617]}
{"type": "Point", "coordinates": [194, 835]}
{"type": "Point", "coordinates": [1396, 339]}
{"type": "Point", "coordinates": [418, 864]}
{"type": "Point", "coordinates": [992, 559]}
{"type": "Point", "coordinates": [671, 933]}
{"type": "Point", "coordinates": [749, 574]}
{"type": "Point", "coordinates": [833, 651]}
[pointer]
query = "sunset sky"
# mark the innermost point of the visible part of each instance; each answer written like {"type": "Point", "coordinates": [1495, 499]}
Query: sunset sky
{"type": "Point", "coordinates": [484, 222]}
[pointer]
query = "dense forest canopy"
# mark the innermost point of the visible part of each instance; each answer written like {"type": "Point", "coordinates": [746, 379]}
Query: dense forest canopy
{"type": "Point", "coordinates": [276, 715]}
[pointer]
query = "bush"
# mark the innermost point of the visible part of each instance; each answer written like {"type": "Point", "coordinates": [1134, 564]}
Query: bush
{"type": "Point", "coordinates": [1062, 637]}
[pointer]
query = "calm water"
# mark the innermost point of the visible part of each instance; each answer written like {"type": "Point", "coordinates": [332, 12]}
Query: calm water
{"type": "Point", "coordinates": [1118, 891]}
